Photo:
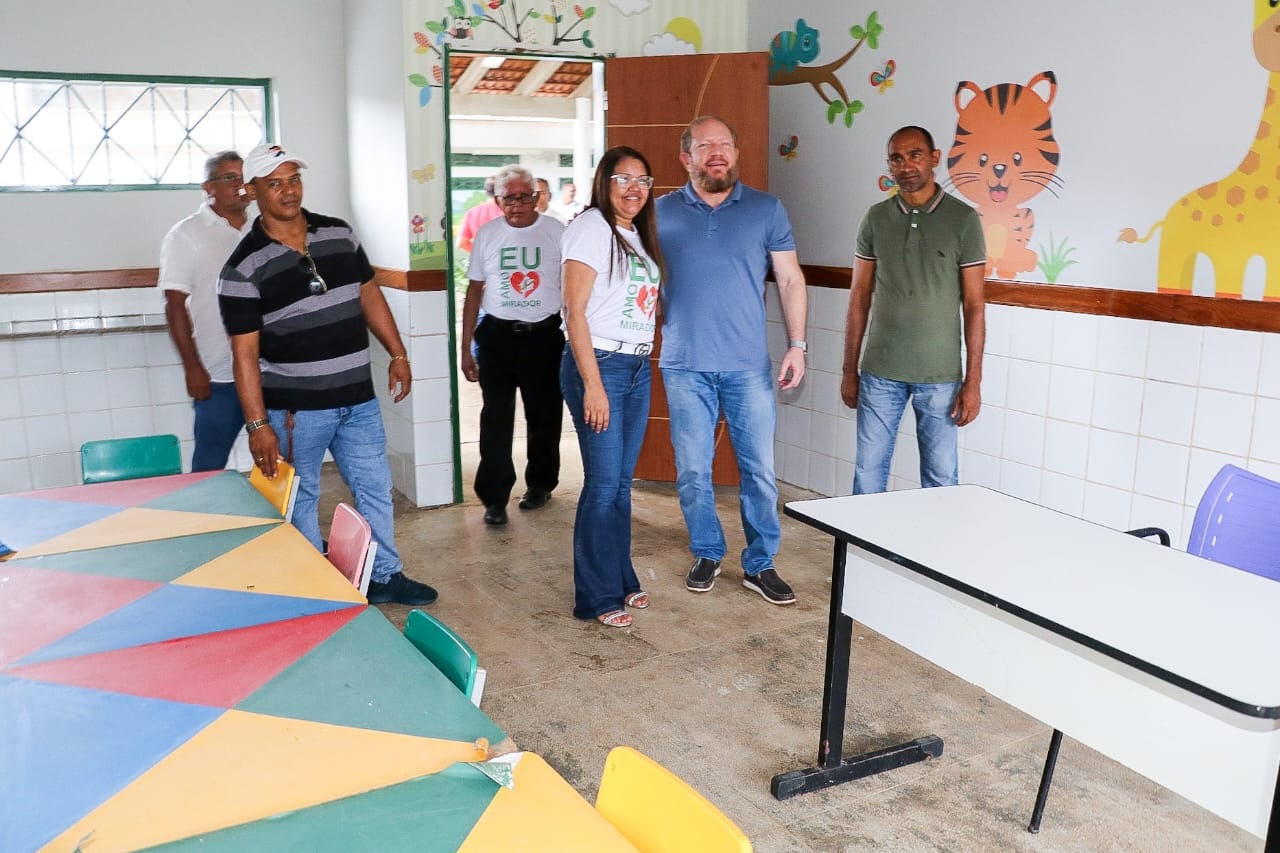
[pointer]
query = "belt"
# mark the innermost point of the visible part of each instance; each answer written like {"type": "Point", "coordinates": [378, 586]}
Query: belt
{"type": "Point", "coordinates": [522, 325]}
{"type": "Point", "coordinates": [621, 346]}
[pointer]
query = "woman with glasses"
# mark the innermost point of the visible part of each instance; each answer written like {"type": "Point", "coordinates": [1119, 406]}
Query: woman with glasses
{"type": "Point", "coordinates": [612, 270]}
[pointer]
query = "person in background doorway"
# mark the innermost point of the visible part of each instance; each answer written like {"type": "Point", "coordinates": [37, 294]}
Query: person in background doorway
{"type": "Point", "coordinates": [544, 201]}
{"type": "Point", "coordinates": [515, 275]}
{"type": "Point", "coordinates": [477, 216]}
{"type": "Point", "coordinates": [191, 257]}
{"type": "Point", "coordinates": [612, 273]}
{"type": "Point", "coordinates": [298, 299]}
{"type": "Point", "coordinates": [918, 270]}
{"type": "Point", "coordinates": [568, 205]}
{"type": "Point", "coordinates": [720, 237]}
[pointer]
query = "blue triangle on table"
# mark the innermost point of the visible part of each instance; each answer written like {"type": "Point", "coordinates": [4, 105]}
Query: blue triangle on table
{"type": "Point", "coordinates": [69, 749]}
{"type": "Point", "coordinates": [26, 521]}
{"type": "Point", "coordinates": [174, 611]}
{"type": "Point", "coordinates": [222, 495]}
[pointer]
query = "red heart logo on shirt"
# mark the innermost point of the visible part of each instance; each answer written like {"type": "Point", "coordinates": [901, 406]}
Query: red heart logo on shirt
{"type": "Point", "coordinates": [530, 282]}
{"type": "Point", "coordinates": [646, 300]}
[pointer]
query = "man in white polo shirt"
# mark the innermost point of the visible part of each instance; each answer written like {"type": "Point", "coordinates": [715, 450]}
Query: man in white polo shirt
{"type": "Point", "coordinates": [191, 257]}
{"type": "Point", "coordinates": [515, 277]}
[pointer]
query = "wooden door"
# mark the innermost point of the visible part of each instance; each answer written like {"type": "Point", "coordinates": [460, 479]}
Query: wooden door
{"type": "Point", "coordinates": [650, 100]}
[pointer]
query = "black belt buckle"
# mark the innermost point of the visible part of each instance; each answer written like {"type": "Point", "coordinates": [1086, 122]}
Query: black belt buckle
{"type": "Point", "coordinates": [519, 326]}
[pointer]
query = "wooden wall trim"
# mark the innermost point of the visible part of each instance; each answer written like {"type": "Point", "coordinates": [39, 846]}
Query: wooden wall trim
{"type": "Point", "coordinates": [1248, 315]}
{"type": "Point", "coordinates": [414, 281]}
{"type": "Point", "coordinates": [48, 282]}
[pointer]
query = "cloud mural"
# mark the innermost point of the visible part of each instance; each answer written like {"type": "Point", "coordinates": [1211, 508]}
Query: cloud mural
{"type": "Point", "coordinates": [630, 7]}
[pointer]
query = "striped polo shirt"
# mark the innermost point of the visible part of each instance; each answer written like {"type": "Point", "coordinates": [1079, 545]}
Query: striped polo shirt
{"type": "Point", "coordinates": [313, 349]}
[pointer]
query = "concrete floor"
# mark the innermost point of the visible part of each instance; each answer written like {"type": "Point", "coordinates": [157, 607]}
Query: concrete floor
{"type": "Point", "coordinates": [725, 690]}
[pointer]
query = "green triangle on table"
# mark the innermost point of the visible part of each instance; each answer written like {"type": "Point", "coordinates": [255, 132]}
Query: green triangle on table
{"type": "Point", "coordinates": [160, 560]}
{"type": "Point", "coordinates": [434, 813]}
{"type": "Point", "coordinates": [223, 495]}
{"type": "Point", "coordinates": [367, 675]}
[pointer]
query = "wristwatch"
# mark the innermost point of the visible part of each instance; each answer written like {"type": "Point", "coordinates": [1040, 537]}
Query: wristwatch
{"type": "Point", "coordinates": [254, 426]}
{"type": "Point", "coordinates": [801, 345]}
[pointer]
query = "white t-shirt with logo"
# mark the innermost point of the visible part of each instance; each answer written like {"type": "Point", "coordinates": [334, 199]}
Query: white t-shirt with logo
{"type": "Point", "coordinates": [520, 268]}
{"type": "Point", "coordinates": [624, 300]}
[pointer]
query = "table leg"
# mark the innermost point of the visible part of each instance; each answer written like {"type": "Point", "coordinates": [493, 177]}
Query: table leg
{"type": "Point", "coordinates": [833, 768]}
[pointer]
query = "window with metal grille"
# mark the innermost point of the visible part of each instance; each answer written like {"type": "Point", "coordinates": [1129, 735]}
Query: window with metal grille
{"type": "Point", "coordinates": [123, 132]}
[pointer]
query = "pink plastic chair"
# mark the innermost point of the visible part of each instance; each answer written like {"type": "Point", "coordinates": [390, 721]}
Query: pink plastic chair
{"type": "Point", "coordinates": [351, 546]}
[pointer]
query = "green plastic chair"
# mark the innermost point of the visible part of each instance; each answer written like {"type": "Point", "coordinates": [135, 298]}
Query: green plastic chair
{"type": "Point", "coordinates": [130, 458]}
{"type": "Point", "coordinates": [449, 652]}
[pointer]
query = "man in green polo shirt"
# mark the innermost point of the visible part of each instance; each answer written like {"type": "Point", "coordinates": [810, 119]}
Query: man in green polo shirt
{"type": "Point", "coordinates": [918, 268]}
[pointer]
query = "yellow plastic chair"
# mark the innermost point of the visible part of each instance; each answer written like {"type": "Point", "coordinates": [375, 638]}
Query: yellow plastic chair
{"type": "Point", "coordinates": [113, 459]}
{"type": "Point", "coordinates": [658, 812]}
{"type": "Point", "coordinates": [282, 491]}
{"type": "Point", "coordinates": [449, 652]}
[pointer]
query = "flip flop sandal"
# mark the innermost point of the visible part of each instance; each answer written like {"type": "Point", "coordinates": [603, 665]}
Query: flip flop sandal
{"type": "Point", "coordinates": [615, 619]}
{"type": "Point", "coordinates": [638, 599]}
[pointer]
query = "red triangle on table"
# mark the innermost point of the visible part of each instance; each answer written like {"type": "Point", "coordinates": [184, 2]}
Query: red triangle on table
{"type": "Point", "coordinates": [40, 606]}
{"type": "Point", "coordinates": [123, 492]}
{"type": "Point", "coordinates": [218, 669]}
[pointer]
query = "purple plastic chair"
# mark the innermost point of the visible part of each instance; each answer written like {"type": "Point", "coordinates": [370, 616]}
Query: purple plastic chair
{"type": "Point", "coordinates": [1238, 523]}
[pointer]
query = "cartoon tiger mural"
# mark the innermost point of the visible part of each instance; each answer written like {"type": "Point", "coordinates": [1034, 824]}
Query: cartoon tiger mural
{"type": "Point", "coordinates": [1004, 154]}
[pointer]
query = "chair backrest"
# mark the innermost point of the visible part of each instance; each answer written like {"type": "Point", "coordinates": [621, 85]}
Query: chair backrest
{"type": "Point", "coordinates": [130, 458]}
{"type": "Point", "coordinates": [350, 541]}
{"type": "Point", "coordinates": [282, 491]}
{"type": "Point", "coordinates": [444, 648]}
{"type": "Point", "coordinates": [658, 812]}
{"type": "Point", "coordinates": [1238, 522]}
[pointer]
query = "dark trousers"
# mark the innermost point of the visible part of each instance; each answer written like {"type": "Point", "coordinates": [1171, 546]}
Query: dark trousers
{"type": "Point", "coordinates": [520, 356]}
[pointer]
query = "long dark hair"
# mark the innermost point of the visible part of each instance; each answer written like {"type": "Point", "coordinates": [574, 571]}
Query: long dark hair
{"type": "Point", "coordinates": [645, 221]}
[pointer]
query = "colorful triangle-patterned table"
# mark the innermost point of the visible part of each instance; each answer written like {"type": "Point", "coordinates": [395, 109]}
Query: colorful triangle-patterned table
{"type": "Point", "coordinates": [180, 668]}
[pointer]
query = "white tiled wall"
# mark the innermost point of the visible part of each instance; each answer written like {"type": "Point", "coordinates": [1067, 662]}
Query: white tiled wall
{"type": "Point", "coordinates": [59, 391]}
{"type": "Point", "coordinates": [1123, 422]}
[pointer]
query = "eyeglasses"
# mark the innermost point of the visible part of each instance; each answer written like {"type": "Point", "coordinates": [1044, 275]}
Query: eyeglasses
{"type": "Point", "coordinates": [317, 284]}
{"type": "Point", "coordinates": [522, 198]}
{"type": "Point", "coordinates": [644, 182]}
{"type": "Point", "coordinates": [229, 178]}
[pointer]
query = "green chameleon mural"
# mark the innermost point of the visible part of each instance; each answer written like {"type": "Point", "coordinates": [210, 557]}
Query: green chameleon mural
{"type": "Point", "coordinates": [791, 51]}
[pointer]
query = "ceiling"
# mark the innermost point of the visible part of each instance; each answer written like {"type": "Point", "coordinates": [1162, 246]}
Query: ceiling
{"type": "Point", "coordinates": [471, 74]}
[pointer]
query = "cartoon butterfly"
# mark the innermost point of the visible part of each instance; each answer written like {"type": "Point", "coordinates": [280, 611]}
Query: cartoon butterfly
{"type": "Point", "coordinates": [888, 185]}
{"type": "Point", "coordinates": [883, 79]}
{"type": "Point", "coordinates": [788, 149]}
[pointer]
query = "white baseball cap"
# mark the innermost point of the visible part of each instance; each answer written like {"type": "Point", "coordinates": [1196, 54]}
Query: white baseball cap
{"type": "Point", "coordinates": [266, 158]}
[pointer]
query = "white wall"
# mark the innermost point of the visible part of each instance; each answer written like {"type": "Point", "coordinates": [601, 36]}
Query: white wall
{"type": "Point", "coordinates": [296, 43]}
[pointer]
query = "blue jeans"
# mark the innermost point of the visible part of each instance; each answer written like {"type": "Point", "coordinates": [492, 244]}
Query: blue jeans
{"type": "Point", "coordinates": [695, 400]}
{"type": "Point", "coordinates": [355, 437]}
{"type": "Point", "coordinates": [880, 406]}
{"type": "Point", "coordinates": [603, 575]}
{"type": "Point", "coordinates": [218, 424]}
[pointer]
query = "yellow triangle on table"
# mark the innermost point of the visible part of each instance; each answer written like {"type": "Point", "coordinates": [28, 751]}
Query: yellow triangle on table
{"type": "Point", "coordinates": [245, 767]}
{"type": "Point", "coordinates": [137, 524]}
{"type": "Point", "coordinates": [279, 562]}
{"type": "Point", "coordinates": [542, 813]}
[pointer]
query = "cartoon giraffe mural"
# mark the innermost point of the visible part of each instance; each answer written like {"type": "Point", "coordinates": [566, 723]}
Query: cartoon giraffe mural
{"type": "Point", "coordinates": [1233, 219]}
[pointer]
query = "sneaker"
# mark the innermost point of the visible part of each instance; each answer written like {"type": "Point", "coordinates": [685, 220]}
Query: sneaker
{"type": "Point", "coordinates": [702, 575]}
{"type": "Point", "coordinates": [401, 590]}
{"type": "Point", "coordinates": [772, 588]}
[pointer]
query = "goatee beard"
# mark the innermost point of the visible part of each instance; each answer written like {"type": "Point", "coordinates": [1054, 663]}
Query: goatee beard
{"type": "Point", "coordinates": [708, 184]}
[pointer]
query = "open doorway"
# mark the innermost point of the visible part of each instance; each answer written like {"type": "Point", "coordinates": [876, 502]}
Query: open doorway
{"type": "Point", "coordinates": [541, 111]}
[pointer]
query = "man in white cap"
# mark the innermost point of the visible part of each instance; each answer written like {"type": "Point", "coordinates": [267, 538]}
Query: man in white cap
{"type": "Point", "coordinates": [191, 257]}
{"type": "Point", "coordinates": [298, 299]}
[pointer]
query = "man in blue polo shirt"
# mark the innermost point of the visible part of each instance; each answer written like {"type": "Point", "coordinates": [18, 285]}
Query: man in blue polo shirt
{"type": "Point", "coordinates": [720, 238]}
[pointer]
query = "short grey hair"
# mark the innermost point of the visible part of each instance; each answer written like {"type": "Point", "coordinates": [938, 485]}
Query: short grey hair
{"type": "Point", "coordinates": [510, 173]}
{"type": "Point", "coordinates": [214, 164]}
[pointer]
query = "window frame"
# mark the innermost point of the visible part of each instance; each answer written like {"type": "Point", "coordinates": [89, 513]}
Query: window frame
{"type": "Point", "coordinates": [268, 118]}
